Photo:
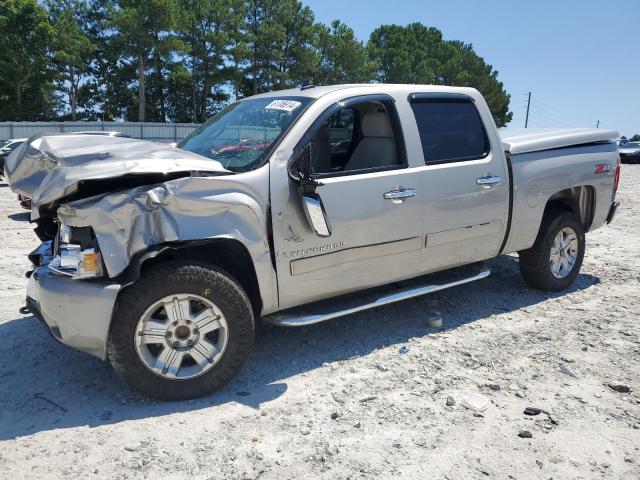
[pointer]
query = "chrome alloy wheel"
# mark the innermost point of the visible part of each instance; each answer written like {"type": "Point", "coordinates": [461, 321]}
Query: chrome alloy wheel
{"type": "Point", "coordinates": [181, 336]}
{"type": "Point", "coordinates": [564, 252]}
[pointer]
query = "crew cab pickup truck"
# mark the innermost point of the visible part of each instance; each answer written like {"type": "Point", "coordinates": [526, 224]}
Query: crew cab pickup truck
{"type": "Point", "coordinates": [294, 207]}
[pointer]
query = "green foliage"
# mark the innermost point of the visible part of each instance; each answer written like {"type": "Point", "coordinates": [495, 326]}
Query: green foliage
{"type": "Point", "coordinates": [26, 91]}
{"type": "Point", "coordinates": [635, 138]}
{"type": "Point", "coordinates": [210, 35]}
{"type": "Point", "coordinates": [183, 60]}
{"type": "Point", "coordinates": [72, 49]}
{"type": "Point", "coordinates": [341, 58]}
{"type": "Point", "coordinates": [280, 52]}
{"type": "Point", "coordinates": [418, 54]}
{"type": "Point", "coordinates": [143, 33]}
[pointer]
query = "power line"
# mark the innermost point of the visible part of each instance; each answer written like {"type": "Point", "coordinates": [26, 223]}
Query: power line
{"type": "Point", "coordinates": [553, 112]}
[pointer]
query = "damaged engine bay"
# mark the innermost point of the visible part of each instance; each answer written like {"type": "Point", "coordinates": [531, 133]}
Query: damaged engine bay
{"type": "Point", "coordinates": [128, 195]}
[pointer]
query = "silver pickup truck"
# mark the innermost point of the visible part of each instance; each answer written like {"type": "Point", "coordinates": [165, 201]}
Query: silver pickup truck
{"type": "Point", "coordinates": [294, 207]}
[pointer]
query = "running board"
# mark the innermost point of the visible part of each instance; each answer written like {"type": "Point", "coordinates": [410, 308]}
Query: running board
{"type": "Point", "coordinates": [364, 300]}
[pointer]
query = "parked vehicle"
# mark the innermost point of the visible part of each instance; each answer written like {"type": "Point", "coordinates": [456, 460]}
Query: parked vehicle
{"type": "Point", "coordinates": [630, 152]}
{"type": "Point", "coordinates": [10, 145]}
{"type": "Point", "coordinates": [163, 259]}
{"type": "Point", "coordinates": [6, 147]}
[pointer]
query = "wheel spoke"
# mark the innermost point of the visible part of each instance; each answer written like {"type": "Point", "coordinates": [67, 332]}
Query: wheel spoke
{"type": "Point", "coordinates": [207, 321]}
{"type": "Point", "coordinates": [555, 266]}
{"type": "Point", "coordinates": [169, 361]}
{"type": "Point", "coordinates": [569, 239]}
{"type": "Point", "coordinates": [177, 308]}
{"type": "Point", "coordinates": [203, 352]}
{"type": "Point", "coordinates": [153, 331]}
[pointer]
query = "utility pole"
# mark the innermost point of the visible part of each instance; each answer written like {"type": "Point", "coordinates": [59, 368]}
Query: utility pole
{"type": "Point", "coordinates": [598, 124]}
{"type": "Point", "coordinates": [526, 122]}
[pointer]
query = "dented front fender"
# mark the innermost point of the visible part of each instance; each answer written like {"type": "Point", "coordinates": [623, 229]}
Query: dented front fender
{"type": "Point", "coordinates": [194, 208]}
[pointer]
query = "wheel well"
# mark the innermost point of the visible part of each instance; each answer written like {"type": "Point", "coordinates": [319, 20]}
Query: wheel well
{"type": "Point", "coordinates": [230, 255]}
{"type": "Point", "coordinates": [579, 200]}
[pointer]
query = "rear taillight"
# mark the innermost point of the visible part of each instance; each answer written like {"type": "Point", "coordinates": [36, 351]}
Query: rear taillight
{"type": "Point", "coordinates": [616, 179]}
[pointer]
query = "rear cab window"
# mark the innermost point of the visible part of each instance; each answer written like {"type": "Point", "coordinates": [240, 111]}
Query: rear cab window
{"type": "Point", "coordinates": [450, 128]}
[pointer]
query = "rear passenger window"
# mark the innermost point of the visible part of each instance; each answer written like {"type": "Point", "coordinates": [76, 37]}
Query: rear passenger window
{"type": "Point", "coordinates": [450, 130]}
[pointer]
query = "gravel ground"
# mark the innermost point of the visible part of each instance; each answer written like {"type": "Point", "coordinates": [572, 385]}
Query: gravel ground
{"type": "Point", "coordinates": [375, 395]}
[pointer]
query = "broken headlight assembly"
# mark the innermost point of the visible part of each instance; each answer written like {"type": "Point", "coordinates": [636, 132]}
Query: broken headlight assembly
{"type": "Point", "coordinates": [76, 253]}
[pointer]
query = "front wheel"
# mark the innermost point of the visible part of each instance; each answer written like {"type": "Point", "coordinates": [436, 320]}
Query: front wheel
{"type": "Point", "coordinates": [554, 260]}
{"type": "Point", "coordinates": [182, 331]}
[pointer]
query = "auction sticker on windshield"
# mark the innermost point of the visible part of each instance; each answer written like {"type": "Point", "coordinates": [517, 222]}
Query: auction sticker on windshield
{"type": "Point", "coordinates": [286, 105]}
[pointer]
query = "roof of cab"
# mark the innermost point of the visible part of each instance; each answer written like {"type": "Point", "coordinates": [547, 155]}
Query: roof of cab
{"type": "Point", "coordinates": [319, 91]}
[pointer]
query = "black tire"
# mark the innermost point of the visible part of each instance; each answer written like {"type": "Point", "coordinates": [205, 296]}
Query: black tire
{"type": "Point", "coordinates": [174, 278]}
{"type": "Point", "coordinates": [535, 262]}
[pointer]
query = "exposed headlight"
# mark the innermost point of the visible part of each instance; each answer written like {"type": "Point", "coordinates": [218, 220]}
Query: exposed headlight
{"type": "Point", "coordinates": [77, 253]}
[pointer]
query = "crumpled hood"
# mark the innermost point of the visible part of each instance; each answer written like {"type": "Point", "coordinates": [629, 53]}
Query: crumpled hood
{"type": "Point", "coordinates": [48, 168]}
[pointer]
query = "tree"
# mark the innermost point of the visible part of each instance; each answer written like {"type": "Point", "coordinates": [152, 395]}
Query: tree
{"type": "Point", "coordinates": [72, 48]}
{"type": "Point", "coordinates": [635, 138]}
{"type": "Point", "coordinates": [474, 72]}
{"type": "Point", "coordinates": [141, 30]}
{"type": "Point", "coordinates": [279, 43]}
{"type": "Point", "coordinates": [26, 89]}
{"type": "Point", "coordinates": [181, 94]}
{"type": "Point", "coordinates": [209, 30]}
{"type": "Point", "coordinates": [419, 54]}
{"type": "Point", "coordinates": [341, 58]}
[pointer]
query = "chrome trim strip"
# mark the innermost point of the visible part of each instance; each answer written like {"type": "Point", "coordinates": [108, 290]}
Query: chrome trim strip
{"type": "Point", "coordinates": [283, 319]}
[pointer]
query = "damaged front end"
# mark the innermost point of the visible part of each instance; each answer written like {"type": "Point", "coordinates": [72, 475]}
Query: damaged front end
{"type": "Point", "coordinates": [55, 169]}
{"type": "Point", "coordinates": [96, 217]}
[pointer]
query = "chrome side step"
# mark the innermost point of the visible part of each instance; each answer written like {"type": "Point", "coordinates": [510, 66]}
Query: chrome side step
{"type": "Point", "coordinates": [376, 297]}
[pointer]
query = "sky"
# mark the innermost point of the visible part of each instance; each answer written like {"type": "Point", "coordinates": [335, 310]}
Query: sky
{"type": "Point", "coordinates": [579, 59]}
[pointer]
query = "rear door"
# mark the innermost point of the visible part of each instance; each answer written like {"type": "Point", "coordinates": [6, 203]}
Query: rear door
{"type": "Point", "coordinates": [464, 182]}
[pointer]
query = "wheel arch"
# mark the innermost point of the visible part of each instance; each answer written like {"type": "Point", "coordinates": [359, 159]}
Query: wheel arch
{"type": "Point", "coordinates": [580, 200]}
{"type": "Point", "coordinates": [227, 253]}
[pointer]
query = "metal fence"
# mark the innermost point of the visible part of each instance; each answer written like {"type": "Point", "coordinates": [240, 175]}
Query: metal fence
{"type": "Point", "coordinates": [159, 132]}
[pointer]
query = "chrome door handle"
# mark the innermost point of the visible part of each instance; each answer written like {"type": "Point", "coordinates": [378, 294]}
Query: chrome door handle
{"type": "Point", "coordinates": [398, 196]}
{"type": "Point", "coordinates": [489, 181]}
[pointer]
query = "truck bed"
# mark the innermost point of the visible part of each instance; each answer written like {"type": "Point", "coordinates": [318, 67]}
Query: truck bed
{"type": "Point", "coordinates": [546, 163]}
{"type": "Point", "coordinates": [516, 140]}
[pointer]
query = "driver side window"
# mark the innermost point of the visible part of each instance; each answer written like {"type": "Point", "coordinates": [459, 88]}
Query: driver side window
{"type": "Point", "coordinates": [353, 139]}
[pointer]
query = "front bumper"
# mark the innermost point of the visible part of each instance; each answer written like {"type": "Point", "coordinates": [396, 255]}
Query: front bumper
{"type": "Point", "coordinates": [76, 312]}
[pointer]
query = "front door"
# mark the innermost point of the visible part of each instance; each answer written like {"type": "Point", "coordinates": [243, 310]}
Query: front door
{"type": "Point", "coordinates": [371, 201]}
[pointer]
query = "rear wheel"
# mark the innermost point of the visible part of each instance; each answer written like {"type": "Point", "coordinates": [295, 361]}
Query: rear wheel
{"type": "Point", "coordinates": [554, 260]}
{"type": "Point", "coordinates": [182, 331]}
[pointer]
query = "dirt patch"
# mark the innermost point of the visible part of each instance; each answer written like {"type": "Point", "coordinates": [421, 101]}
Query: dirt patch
{"type": "Point", "coordinates": [376, 395]}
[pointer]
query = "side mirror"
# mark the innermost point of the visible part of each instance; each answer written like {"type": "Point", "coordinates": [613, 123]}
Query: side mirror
{"type": "Point", "coordinates": [316, 216]}
{"type": "Point", "coordinates": [300, 172]}
{"type": "Point", "coordinates": [300, 166]}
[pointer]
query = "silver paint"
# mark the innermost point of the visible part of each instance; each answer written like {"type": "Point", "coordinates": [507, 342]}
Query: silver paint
{"type": "Point", "coordinates": [49, 167]}
{"type": "Point", "coordinates": [77, 312]}
{"type": "Point", "coordinates": [465, 221]}
{"type": "Point", "coordinates": [192, 208]}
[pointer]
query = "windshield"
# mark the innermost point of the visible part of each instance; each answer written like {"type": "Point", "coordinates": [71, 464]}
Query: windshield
{"type": "Point", "coordinates": [241, 135]}
{"type": "Point", "coordinates": [630, 145]}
